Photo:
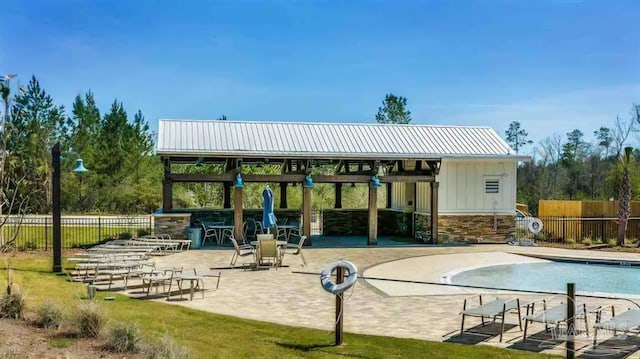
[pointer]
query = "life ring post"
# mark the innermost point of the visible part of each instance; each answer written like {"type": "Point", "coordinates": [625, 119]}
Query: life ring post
{"type": "Point", "coordinates": [339, 308]}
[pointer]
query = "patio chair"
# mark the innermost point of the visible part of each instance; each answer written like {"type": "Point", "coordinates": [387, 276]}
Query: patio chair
{"type": "Point", "coordinates": [297, 249]}
{"type": "Point", "coordinates": [627, 322]}
{"type": "Point", "coordinates": [208, 233]}
{"type": "Point", "coordinates": [250, 229]}
{"type": "Point", "coordinates": [240, 251]}
{"type": "Point", "coordinates": [268, 252]}
{"type": "Point", "coordinates": [554, 316]}
{"type": "Point", "coordinates": [498, 307]}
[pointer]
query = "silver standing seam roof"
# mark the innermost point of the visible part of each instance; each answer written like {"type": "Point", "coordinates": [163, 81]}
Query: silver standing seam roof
{"type": "Point", "coordinates": [178, 138]}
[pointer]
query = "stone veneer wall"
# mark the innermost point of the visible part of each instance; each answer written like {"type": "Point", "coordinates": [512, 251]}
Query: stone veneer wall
{"type": "Point", "coordinates": [172, 224]}
{"type": "Point", "coordinates": [423, 227]}
{"type": "Point", "coordinates": [355, 222]}
{"type": "Point", "coordinates": [475, 228]}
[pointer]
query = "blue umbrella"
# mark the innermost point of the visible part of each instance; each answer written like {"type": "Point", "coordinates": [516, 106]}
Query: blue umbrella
{"type": "Point", "coordinates": [268, 218]}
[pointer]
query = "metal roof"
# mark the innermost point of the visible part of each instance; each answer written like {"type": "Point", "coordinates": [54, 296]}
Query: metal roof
{"type": "Point", "coordinates": [327, 140]}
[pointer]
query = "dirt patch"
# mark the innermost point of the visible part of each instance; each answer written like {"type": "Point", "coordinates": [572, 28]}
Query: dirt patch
{"type": "Point", "coordinates": [27, 341]}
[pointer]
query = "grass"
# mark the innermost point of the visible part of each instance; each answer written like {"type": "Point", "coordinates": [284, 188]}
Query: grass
{"type": "Point", "coordinates": [40, 237]}
{"type": "Point", "coordinates": [60, 342]}
{"type": "Point", "coordinates": [209, 335]}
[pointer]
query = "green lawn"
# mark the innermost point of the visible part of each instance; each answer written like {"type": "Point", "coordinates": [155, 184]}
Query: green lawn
{"type": "Point", "coordinates": [41, 236]}
{"type": "Point", "coordinates": [211, 335]}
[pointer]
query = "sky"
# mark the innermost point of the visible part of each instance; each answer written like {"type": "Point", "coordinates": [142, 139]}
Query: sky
{"type": "Point", "coordinates": [552, 65]}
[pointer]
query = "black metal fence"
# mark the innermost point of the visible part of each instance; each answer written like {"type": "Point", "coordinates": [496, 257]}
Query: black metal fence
{"type": "Point", "coordinates": [595, 230]}
{"type": "Point", "coordinates": [36, 232]}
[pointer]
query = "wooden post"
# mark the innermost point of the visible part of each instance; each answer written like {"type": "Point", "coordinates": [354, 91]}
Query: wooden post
{"type": "Point", "coordinates": [56, 210]}
{"type": "Point", "coordinates": [338, 198]}
{"type": "Point", "coordinates": [434, 212]}
{"type": "Point", "coordinates": [283, 195]}
{"type": "Point", "coordinates": [571, 306]}
{"type": "Point", "coordinates": [389, 191]}
{"type": "Point", "coordinates": [237, 214]}
{"type": "Point", "coordinates": [339, 307]}
{"type": "Point", "coordinates": [306, 212]}
{"type": "Point", "coordinates": [373, 216]}
{"type": "Point", "coordinates": [226, 195]}
{"type": "Point", "coordinates": [167, 187]}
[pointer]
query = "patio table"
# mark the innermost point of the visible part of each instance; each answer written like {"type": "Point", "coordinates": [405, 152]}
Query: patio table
{"type": "Point", "coordinates": [220, 229]}
{"type": "Point", "coordinates": [193, 279]}
{"type": "Point", "coordinates": [288, 228]}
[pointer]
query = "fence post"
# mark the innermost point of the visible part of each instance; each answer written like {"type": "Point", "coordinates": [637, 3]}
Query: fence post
{"type": "Point", "coordinates": [46, 234]}
{"type": "Point", "coordinates": [563, 229]}
{"type": "Point", "coordinates": [99, 229]}
{"type": "Point", "coordinates": [602, 229]}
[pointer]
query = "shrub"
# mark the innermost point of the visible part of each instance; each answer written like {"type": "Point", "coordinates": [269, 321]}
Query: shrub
{"type": "Point", "coordinates": [123, 337]}
{"type": "Point", "coordinates": [612, 242]}
{"type": "Point", "coordinates": [50, 315]}
{"type": "Point", "coordinates": [12, 305]}
{"type": "Point", "coordinates": [586, 241]}
{"type": "Point", "coordinates": [166, 348]}
{"type": "Point", "coordinates": [89, 319]}
{"type": "Point", "coordinates": [143, 232]}
{"type": "Point", "coordinates": [124, 235]}
{"type": "Point", "coordinates": [570, 241]}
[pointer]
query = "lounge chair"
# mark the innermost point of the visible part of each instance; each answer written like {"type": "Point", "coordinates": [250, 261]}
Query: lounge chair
{"type": "Point", "coordinates": [554, 316]}
{"type": "Point", "coordinates": [240, 251]}
{"type": "Point", "coordinates": [496, 308]}
{"type": "Point", "coordinates": [297, 249]}
{"type": "Point", "coordinates": [627, 322]}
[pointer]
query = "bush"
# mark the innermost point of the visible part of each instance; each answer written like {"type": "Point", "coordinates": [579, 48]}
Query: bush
{"type": "Point", "coordinates": [570, 241]}
{"type": "Point", "coordinates": [123, 337]}
{"type": "Point", "coordinates": [89, 319]}
{"type": "Point", "coordinates": [143, 232]}
{"type": "Point", "coordinates": [612, 242]}
{"type": "Point", "coordinates": [587, 241]}
{"type": "Point", "coordinates": [50, 315]}
{"type": "Point", "coordinates": [166, 348]}
{"type": "Point", "coordinates": [12, 305]}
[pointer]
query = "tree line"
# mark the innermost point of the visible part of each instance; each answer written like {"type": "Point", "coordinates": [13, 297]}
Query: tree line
{"type": "Point", "coordinates": [576, 167]}
{"type": "Point", "coordinates": [124, 175]}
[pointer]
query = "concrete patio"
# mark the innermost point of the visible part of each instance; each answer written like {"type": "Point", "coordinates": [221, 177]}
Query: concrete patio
{"type": "Point", "coordinates": [293, 296]}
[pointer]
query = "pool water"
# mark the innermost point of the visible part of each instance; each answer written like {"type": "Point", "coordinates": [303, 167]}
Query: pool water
{"type": "Point", "coordinates": [554, 276]}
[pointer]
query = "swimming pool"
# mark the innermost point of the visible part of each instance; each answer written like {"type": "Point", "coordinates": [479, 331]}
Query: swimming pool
{"type": "Point", "coordinates": [554, 276]}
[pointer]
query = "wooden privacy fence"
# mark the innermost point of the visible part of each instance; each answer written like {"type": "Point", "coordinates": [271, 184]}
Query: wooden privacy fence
{"type": "Point", "coordinates": [578, 220]}
{"type": "Point", "coordinates": [598, 229]}
{"type": "Point", "coordinates": [584, 209]}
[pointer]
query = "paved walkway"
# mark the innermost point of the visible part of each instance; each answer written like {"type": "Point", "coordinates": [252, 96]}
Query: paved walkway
{"type": "Point", "coordinates": [288, 297]}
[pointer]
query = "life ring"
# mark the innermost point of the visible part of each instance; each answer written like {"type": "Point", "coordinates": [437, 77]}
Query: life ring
{"type": "Point", "coordinates": [349, 280]}
{"type": "Point", "coordinates": [535, 225]}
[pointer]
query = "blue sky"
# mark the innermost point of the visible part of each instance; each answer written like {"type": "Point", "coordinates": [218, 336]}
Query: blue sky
{"type": "Point", "coordinates": [551, 65]}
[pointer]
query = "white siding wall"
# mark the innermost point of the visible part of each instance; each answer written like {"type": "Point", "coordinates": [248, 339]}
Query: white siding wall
{"type": "Point", "coordinates": [462, 187]}
{"type": "Point", "coordinates": [423, 199]}
{"type": "Point", "coordinates": [398, 196]}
